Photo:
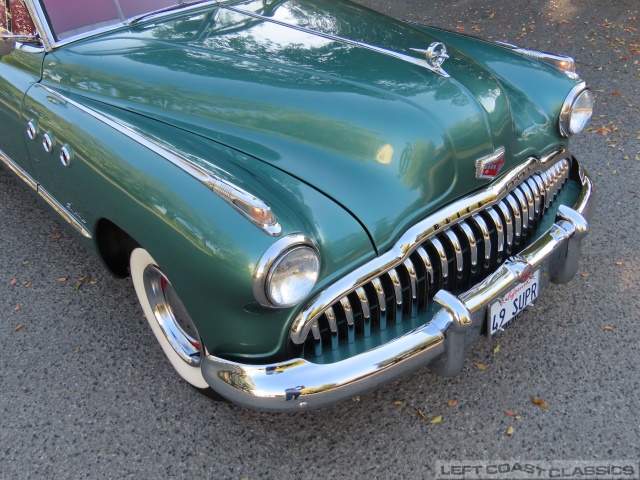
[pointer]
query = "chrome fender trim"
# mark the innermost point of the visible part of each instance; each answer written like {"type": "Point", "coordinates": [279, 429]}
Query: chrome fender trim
{"type": "Point", "coordinates": [252, 208]}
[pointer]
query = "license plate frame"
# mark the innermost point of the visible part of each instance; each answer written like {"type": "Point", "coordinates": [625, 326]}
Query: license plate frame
{"type": "Point", "coordinates": [505, 310]}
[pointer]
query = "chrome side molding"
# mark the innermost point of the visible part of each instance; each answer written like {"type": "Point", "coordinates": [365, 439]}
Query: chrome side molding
{"type": "Point", "coordinates": [252, 208]}
{"type": "Point", "coordinates": [46, 196]}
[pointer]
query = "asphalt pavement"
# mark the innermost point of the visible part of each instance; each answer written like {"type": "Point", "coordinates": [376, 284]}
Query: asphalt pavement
{"type": "Point", "coordinates": [85, 392]}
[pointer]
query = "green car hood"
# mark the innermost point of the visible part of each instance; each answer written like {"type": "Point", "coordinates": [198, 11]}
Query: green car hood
{"type": "Point", "coordinates": [388, 140]}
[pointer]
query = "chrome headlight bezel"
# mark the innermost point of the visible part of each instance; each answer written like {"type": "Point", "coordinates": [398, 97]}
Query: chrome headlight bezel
{"type": "Point", "coordinates": [566, 113]}
{"type": "Point", "coordinates": [278, 253]}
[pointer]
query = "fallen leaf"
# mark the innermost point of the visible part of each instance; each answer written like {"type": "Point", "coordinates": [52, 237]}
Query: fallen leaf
{"type": "Point", "coordinates": [585, 275]}
{"type": "Point", "coordinates": [356, 399]}
{"type": "Point", "coordinates": [247, 415]}
{"type": "Point", "coordinates": [452, 403]}
{"type": "Point", "coordinates": [422, 415]}
{"type": "Point", "coordinates": [19, 327]}
{"type": "Point", "coordinates": [565, 21]}
{"type": "Point", "coordinates": [538, 402]}
{"type": "Point", "coordinates": [480, 366]}
{"type": "Point", "coordinates": [14, 281]}
{"type": "Point", "coordinates": [510, 430]}
{"type": "Point", "coordinates": [436, 419]}
{"type": "Point", "coordinates": [618, 263]}
{"type": "Point", "coordinates": [17, 308]}
{"type": "Point", "coordinates": [76, 350]}
{"type": "Point", "coordinates": [92, 282]}
{"type": "Point", "coordinates": [397, 403]}
{"type": "Point", "coordinates": [56, 237]}
{"type": "Point", "coordinates": [27, 284]}
{"type": "Point", "coordinates": [511, 413]}
{"type": "Point", "coordinates": [492, 15]}
{"type": "Point", "coordinates": [78, 286]}
{"type": "Point", "coordinates": [608, 328]}
{"type": "Point", "coordinates": [615, 93]}
{"type": "Point", "coordinates": [26, 262]}
{"type": "Point", "coordinates": [518, 417]}
{"type": "Point", "coordinates": [63, 279]}
{"type": "Point", "coordinates": [496, 349]}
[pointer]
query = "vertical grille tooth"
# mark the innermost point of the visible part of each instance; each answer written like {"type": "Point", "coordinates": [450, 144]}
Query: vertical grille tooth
{"type": "Point", "coordinates": [508, 223]}
{"type": "Point", "coordinates": [535, 191]}
{"type": "Point", "coordinates": [348, 313]}
{"type": "Point", "coordinates": [528, 194]}
{"type": "Point", "coordinates": [548, 186]}
{"type": "Point", "coordinates": [397, 293]}
{"type": "Point", "coordinates": [473, 246]}
{"type": "Point", "coordinates": [457, 251]}
{"type": "Point", "coordinates": [444, 264]}
{"type": "Point", "coordinates": [566, 165]}
{"type": "Point", "coordinates": [497, 221]}
{"type": "Point", "coordinates": [515, 210]}
{"type": "Point", "coordinates": [366, 312]}
{"type": "Point", "coordinates": [457, 267]}
{"type": "Point", "coordinates": [555, 177]}
{"type": "Point", "coordinates": [524, 208]}
{"type": "Point", "coordinates": [333, 327]}
{"type": "Point", "coordinates": [428, 268]}
{"type": "Point", "coordinates": [413, 285]}
{"type": "Point", "coordinates": [484, 230]}
{"type": "Point", "coordinates": [543, 193]}
{"type": "Point", "coordinates": [382, 303]}
{"type": "Point", "coordinates": [315, 331]}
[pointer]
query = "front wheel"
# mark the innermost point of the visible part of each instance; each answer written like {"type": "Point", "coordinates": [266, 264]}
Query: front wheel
{"type": "Point", "coordinates": [168, 318]}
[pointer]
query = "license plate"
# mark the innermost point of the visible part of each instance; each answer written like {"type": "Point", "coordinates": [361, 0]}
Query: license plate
{"type": "Point", "coordinates": [513, 303]}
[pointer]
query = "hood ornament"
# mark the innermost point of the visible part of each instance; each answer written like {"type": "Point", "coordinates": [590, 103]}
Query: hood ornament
{"type": "Point", "coordinates": [436, 54]}
{"type": "Point", "coordinates": [489, 166]}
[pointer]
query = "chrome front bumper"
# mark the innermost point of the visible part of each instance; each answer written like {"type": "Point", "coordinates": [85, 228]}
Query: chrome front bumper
{"type": "Point", "coordinates": [297, 384]}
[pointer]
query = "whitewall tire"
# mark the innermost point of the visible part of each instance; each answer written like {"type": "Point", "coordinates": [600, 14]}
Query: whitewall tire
{"type": "Point", "coordinates": [167, 317]}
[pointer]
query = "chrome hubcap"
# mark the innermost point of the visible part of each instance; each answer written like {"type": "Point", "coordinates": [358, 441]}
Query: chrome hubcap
{"type": "Point", "coordinates": [172, 317]}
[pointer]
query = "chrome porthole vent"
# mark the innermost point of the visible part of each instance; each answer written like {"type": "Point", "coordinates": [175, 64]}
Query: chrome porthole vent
{"type": "Point", "coordinates": [32, 130]}
{"type": "Point", "coordinates": [172, 317]}
{"type": "Point", "coordinates": [65, 156]}
{"type": "Point", "coordinates": [47, 142]}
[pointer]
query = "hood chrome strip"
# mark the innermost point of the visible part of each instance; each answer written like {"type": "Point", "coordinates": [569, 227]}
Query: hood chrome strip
{"type": "Point", "coordinates": [239, 199]}
{"type": "Point", "coordinates": [390, 53]}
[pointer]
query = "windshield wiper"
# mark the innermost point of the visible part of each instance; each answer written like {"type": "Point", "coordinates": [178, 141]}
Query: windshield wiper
{"type": "Point", "coordinates": [177, 6]}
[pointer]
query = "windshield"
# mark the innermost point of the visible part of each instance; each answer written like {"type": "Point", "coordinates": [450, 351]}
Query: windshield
{"type": "Point", "coordinates": [74, 17]}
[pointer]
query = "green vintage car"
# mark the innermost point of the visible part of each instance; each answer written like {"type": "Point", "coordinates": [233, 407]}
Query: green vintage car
{"type": "Point", "coordinates": [311, 198]}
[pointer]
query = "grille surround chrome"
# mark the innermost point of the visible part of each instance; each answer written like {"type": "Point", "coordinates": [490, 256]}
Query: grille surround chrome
{"type": "Point", "coordinates": [512, 210]}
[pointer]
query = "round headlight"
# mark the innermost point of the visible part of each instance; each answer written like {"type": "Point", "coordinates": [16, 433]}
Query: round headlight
{"type": "Point", "coordinates": [292, 276]}
{"type": "Point", "coordinates": [581, 112]}
{"type": "Point", "coordinates": [576, 110]}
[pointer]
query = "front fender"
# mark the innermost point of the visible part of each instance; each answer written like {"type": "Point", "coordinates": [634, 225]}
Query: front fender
{"type": "Point", "coordinates": [205, 247]}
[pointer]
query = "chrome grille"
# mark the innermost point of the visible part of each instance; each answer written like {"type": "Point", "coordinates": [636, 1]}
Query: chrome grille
{"type": "Point", "coordinates": [453, 258]}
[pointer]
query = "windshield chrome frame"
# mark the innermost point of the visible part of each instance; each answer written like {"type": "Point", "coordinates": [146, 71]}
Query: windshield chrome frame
{"type": "Point", "coordinates": [49, 39]}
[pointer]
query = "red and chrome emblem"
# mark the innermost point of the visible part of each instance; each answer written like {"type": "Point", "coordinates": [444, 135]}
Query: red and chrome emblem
{"type": "Point", "coordinates": [489, 166]}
